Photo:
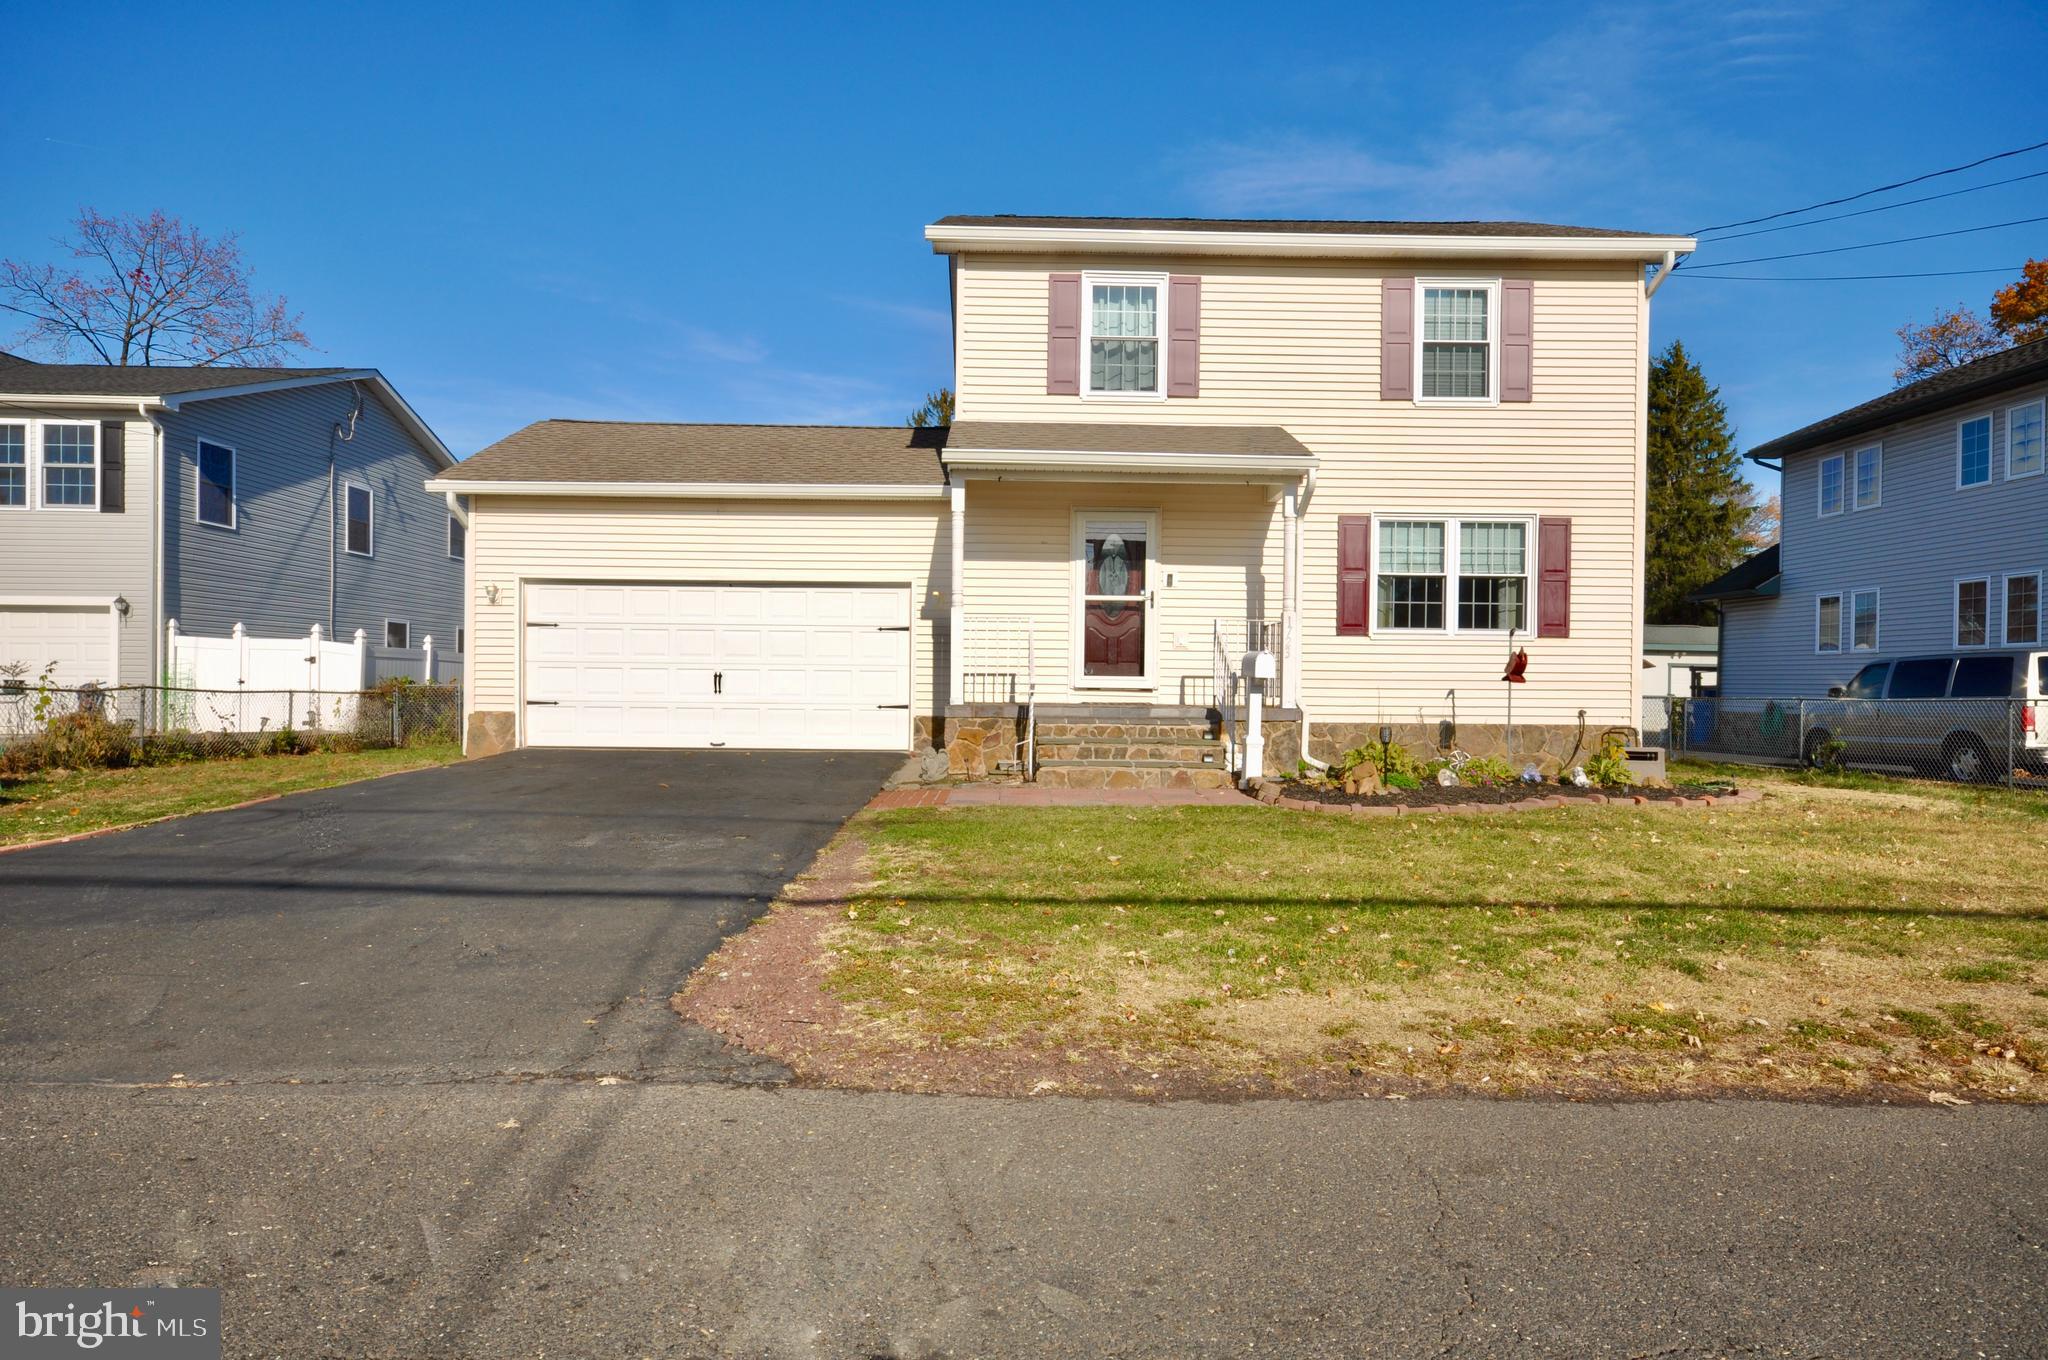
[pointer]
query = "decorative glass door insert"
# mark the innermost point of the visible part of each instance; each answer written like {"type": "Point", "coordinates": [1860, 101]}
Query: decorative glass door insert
{"type": "Point", "coordinates": [1116, 573]}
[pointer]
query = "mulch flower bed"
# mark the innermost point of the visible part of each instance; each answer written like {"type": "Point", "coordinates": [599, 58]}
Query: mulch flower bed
{"type": "Point", "coordinates": [1502, 797]}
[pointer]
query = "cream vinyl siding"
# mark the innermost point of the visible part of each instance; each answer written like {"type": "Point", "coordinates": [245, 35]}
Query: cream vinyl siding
{"type": "Point", "coordinates": [564, 539]}
{"type": "Point", "coordinates": [1219, 544]}
{"type": "Point", "coordinates": [1297, 345]}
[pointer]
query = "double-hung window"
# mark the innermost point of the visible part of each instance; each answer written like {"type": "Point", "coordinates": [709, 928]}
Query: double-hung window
{"type": "Point", "coordinates": [71, 465]}
{"type": "Point", "coordinates": [1831, 485]}
{"type": "Point", "coordinates": [1973, 612]}
{"type": "Point", "coordinates": [2023, 609]}
{"type": "Point", "coordinates": [1125, 321]}
{"type": "Point", "coordinates": [1869, 483]}
{"type": "Point", "coordinates": [1457, 353]}
{"type": "Point", "coordinates": [13, 463]}
{"type": "Point", "coordinates": [359, 537]}
{"type": "Point", "coordinates": [1973, 452]}
{"type": "Point", "coordinates": [2023, 455]}
{"type": "Point", "coordinates": [1426, 564]}
{"type": "Point", "coordinates": [1863, 621]}
{"type": "Point", "coordinates": [1827, 623]}
{"type": "Point", "coordinates": [458, 538]}
{"type": "Point", "coordinates": [215, 501]}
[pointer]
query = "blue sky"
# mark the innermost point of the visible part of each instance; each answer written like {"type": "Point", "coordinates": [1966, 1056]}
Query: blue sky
{"type": "Point", "coordinates": [650, 212]}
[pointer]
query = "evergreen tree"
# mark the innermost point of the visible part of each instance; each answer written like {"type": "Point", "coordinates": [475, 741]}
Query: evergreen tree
{"type": "Point", "coordinates": [1699, 505]}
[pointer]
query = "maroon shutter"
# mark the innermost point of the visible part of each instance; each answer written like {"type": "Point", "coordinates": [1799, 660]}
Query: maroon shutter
{"type": "Point", "coordinates": [1354, 564]}
{"type": "Point", "coordinates": [113, 467]}
{"type": "Point", "coordinates": [1397, 339]}
{"type": "Point", "coordinates": [1517, 345]}
{"type": "Point", "coordinates": [1063, 336]}
{"type": "Point", "coordinates": [1184, 338]}
{"type": "Point", "coordinates": [1554, 577]}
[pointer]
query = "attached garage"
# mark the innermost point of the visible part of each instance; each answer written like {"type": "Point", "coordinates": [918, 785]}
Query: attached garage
{"type": "Point", "coordinates": [81, 638]}
{"type": "Point", "coordinates": [804, 667]}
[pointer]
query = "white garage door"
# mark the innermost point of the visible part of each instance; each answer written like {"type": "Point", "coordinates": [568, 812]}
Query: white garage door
{"type": "Point", "coordinates": [79, 638]}
{"type": "Point", "coordinates": [786, 667]}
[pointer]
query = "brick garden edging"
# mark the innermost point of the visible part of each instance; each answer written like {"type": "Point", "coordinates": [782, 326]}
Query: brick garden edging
{"type": "Point", "coordinates": [1739, 798]}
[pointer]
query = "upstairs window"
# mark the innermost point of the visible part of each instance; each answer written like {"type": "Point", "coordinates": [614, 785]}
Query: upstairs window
{"type": "Point", "coordinates": [1973, 612]}
{"type": "Point", "coordinates": [71, 465]}
{"type": "Point", "coordinates": [1123, 335]}
{"type": "Point", "coordinates": [1831, 485]}
{"type": "Point", "coordinates": [1869, 477]}
{"type": "Point", "coordinates": [13, 464]}
{"type": "Point", "coordinates": [360, 536]}
{"type": "Point", "coordinates": [1973, 452]}
{"type": "Point", "coordinates": [1457, 351]}
{"type": "Point", "coordinates": [215, 502]}
{"type": "Point", "coordinates": [2023, 440]}
{"type": "Point", "coordinates": [1827, 623]}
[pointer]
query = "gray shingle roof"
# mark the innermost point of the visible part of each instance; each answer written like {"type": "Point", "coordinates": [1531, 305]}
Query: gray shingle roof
{"type": "Point", "coordinates": [1754, 577]}
{"type": "Point", "coordinates": [22, 377]}
{"type": "Point", "coordinates": [1965, 382]}
{"type": "Point", "coordinates": [633, 451]}
{"type": "Point", "coordinates": [1040, 436]}
{"type": "Point", "coordinates": [1313, 225]}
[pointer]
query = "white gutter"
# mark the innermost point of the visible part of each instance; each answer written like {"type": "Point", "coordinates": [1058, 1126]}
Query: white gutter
{"type": "Point", "coordinates": [1290, 466]}
{"type": "Point", "coordinates": [1663, 273]}
{"type": "Point", "coordinates": [946, 240]}
{"type": "Point", "coordinates": [815, 491]}
{"type": "Point", "coordinates": [456, 509]}
{"type": "Point", "coordinates": [145, 404]}
{"type": "Point", "coordinates": [1294, 569]}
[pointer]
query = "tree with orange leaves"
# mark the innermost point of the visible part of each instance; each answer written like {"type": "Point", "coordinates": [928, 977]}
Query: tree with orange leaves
{"type": "Point", "coordinates": [2020, 309]}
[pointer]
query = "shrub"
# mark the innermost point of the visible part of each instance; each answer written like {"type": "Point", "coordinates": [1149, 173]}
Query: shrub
{"type": "Point", "coordinates": [1609, 768]}
{"type": "Point", "coordinates": [84, 740]}
{"type": "Point", "coordinates": [1487, 772]}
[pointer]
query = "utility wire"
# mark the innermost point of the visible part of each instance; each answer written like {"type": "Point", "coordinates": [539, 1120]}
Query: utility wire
{"type": "Point", "coordinates": [1868, 245]}
{"type": "Point", "coordinates": [1841, 278]}
{"type": "Point", "coordinates": [1865, 212]}
{"type": "Point", "coordinates": [1880, 189]}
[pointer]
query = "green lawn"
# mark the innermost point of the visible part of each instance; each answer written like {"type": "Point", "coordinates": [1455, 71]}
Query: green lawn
{"type": "Point", "coordinates": [1846, 931]}
{"type": "Point", "coordinates": [65, 802]}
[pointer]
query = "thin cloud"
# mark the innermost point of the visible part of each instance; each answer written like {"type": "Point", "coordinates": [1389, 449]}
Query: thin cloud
{"type": "Point", "coordinates": [924, 318]}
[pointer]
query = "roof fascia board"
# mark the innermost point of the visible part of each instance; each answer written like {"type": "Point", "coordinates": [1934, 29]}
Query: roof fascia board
{"type": "Point", "coordinates": [693, 490]}
{"type": "Point", "coordinates": [70, 400]}
{"type": "Point", "coordinates": [947, 240]}
{"type": "Point", "coordinates": [1794, 444]}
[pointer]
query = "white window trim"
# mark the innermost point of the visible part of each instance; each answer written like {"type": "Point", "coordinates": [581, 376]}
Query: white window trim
{"type": "Point", "coordinates": [1877, 612]}
{"type": "Point", "coordinates": [28, 465]}
{"type": "Point", "coordinates": [35, 460]}
{"type": "Point", "coordinates": [2010, 476]}
{"type": "Point", "coordinates": [2005, 607]}
{"type": "Point", "coordinates": [453, 524]}
{"type": "Point", "coordinates": [1955, 605]}
{"type": "Point", "coordinates": [370, 498]}
{"type": "Point", "coordinates": [1990, 453]}
{"type": "Point", "coordinates": [1531, 573]}
{"type": "Point", "coordinates": [405, 646]}
{"type": "Point", "coordinates": [1077, 642]}
{"type": "Point", "coordinates": [1142, 279]}
{"type": "Point", "coordinates": [234, 485]}
{"type": "Point", "coordinates": [1841, 622]}
{"type": "Point", "coordinates": [1853, 495]}
{"type": "Point", "coordinates": [1820, 486]}
{"type": "Point", "coordinates": [1492, 287]}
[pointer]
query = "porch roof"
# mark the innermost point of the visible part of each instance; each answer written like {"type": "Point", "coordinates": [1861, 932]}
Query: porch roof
{"type": "Point", "coordinates": [1250, 452]}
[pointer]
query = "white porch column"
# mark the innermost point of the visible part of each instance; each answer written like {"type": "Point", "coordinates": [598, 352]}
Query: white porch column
{"type": "Point", "coordinates": [956, 659]}
{"type": "Point", "coordinates": [1290, 596]}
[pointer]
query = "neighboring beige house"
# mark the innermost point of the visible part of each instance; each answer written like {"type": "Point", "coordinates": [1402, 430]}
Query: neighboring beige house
{"type": "Point", "coordinates": [1383, 453]}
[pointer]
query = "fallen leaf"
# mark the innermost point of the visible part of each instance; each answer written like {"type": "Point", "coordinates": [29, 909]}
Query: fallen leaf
{"type": "Point", "coordinates": [1944, 1098]}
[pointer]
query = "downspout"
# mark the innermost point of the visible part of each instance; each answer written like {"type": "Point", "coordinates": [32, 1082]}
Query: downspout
{"type": "Point", "coordinates": [1307, 493]}
{"type": "Point", "coordinates": [1657, 279]}
{"type": "Point", "coordinates": [158, 665]}
{"type": "Point", "coordinates": [335, 439]}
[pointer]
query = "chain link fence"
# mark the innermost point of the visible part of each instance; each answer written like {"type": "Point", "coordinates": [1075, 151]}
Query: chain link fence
{"type": "Point", "coordinates": [119, 725]}
{"type": "Point", "coordinates": [1969, 740]}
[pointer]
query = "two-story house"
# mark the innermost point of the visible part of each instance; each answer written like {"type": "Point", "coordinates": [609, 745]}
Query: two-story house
{"type": "Point", "coordinates": [1384, 453]}
{"type": "Point", "coordinates": [1910, 525]}
{"type": "Point", "coordinates": [274, 498]}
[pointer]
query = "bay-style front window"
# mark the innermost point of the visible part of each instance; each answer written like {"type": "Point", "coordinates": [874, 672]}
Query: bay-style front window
{"type": "Point", "coordinates": [1427, 565]}
{"type": "Point", "coordinates": [1123, 334]}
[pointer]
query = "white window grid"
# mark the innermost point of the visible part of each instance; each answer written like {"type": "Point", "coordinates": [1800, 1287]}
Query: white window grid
{"type": "Point", "coordinates": [1831, 485]}
{"type": "Point", "coordinates": [2022, 624]}
{"type": "Point", "coordinates": [2023, 439]}
{"type": "Point", "coordinates": [1867, 491]}
{"type": "Point", "coordinates": [1457, 341]}
{"type": "Point", "coordinates": [1973, 621]}
{"type": "Point", "coordinates": [1448, 551]}
{"type": "Point", "coordinates": [1131, 316]}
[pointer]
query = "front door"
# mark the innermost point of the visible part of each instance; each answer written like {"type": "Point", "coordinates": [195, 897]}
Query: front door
{"type": "Point", "coordinates": [1114, 596]}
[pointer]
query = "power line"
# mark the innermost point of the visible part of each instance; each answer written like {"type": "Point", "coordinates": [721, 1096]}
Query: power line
{"type": "Point", "coordinates": [1867, 245]}
{"type": "Point", "coordinates": [1880, 189]}
{"type": "Point", "coordinates": [1865, 212]}
{"type": "Point", "coordinates": [1841, 278]}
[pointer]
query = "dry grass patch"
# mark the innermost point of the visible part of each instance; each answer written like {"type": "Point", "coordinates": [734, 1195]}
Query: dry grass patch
{"type": "Point", "coordinates": [1849, 935]}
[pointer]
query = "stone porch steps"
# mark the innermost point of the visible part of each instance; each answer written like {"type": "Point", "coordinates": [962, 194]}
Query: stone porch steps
{"type": "Point", "coordinates": [1130, 774]}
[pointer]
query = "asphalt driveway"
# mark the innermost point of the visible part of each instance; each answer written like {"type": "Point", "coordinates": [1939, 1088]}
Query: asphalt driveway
{"type": "Point", "coordinates": [524, 915]}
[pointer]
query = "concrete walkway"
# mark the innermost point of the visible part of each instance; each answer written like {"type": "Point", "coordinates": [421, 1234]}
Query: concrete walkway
{"type": "Point", "coordinates": [1030, 795]}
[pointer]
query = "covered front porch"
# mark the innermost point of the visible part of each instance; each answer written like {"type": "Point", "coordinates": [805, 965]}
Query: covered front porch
{"type": "Point", "coordinates": [1109, 583]}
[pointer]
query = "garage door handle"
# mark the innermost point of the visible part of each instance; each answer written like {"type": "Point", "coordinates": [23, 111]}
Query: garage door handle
{"type": "Point", "coordinates": [531, 624]}
{"type": "Point", "coordinates": [894, 628]}
{"type": "Point", "coordinates": [892, 705]}
{"type": "Point", "coordinates": [551, 703]}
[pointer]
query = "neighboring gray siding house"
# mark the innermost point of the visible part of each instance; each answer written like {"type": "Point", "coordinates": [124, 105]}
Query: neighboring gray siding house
{"type": "Point", "coordinates": [1914, 523]}
{"type": "Point", "coordinates": [273, 498]}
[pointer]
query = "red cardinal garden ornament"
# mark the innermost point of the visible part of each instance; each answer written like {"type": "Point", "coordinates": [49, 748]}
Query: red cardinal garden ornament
{"type": "Point", "coordinates": [1518, 665]}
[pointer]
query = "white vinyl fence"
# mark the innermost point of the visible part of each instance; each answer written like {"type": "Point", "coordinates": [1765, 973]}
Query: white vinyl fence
{"type": "Point", "coordinates": [252, 680]}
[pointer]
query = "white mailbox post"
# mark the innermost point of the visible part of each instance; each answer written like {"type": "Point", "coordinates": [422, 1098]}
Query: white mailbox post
{"type": "Point", "coordinates": [1259, 670]}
